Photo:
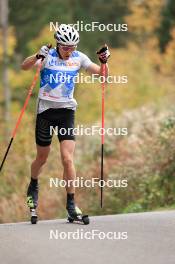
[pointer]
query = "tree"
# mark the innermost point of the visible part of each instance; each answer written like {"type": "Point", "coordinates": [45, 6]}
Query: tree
{"type": "Point", "coordinates": [5, 81]}
{"type": "Point", "coordinates": [144, 19]}
{"type": "Point", "coordinates": [30, 17]}
{"type": "Point", "coordinates": [167, 24]}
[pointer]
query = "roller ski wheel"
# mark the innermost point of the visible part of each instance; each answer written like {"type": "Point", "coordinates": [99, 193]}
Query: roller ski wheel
{"type": "Point", "coordinates": [77, 216]}
{"type": "Point", "coordinates": [34, 217]}
{"type": "Point", "coordinates": [32, 207]}
{"type": "Point", "coordinates": [80, 219]}
{"type": "Point", "coordinates": [32, 202]}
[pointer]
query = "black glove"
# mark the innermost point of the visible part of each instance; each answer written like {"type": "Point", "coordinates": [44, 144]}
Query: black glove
{"type": "Point", "coordinates": [103, 54]}
{"type": "Point", "coordinates": [43, 52]}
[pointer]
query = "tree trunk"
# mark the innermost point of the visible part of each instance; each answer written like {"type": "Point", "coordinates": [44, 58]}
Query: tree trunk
{"type": "Point", "coordinates": [5, 80]}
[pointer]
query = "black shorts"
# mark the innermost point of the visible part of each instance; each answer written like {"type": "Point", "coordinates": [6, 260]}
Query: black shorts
{"type": "Point", "coordinates": [54, 121]}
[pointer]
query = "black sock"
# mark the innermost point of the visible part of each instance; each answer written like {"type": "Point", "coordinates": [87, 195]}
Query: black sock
{"type": "Point", "coordinates": [34, 182]}
{"type": "Point", "coordinates": [70, 199]}
{"type": "Point", "coordinates": [70, 196]}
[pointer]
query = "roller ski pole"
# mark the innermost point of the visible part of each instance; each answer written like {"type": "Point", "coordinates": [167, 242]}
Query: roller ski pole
{"type": "Point", "coordinates": [76, 215]}
{"type": "Point", "coordinates": [103, 59]}
{"type": "Point", "coordinates": [32, 201]}
{"type": "Point", "coordinates": [23, 110]}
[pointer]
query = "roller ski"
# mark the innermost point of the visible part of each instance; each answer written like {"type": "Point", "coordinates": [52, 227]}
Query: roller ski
{"type": "Point", "coordinates": [32, 200]}
{"type": "Point", "coordinates": [74, 213]}
{"type": "Point", "coordinates": [34, 217]}
{"type": "Point", "coordinates": [77, 216]}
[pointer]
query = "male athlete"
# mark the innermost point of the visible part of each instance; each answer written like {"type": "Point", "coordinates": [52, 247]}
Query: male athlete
{"type": "Point", "coordinates": [56, 105]}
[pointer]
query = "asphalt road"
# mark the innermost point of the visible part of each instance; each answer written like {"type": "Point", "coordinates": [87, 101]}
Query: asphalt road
{"type": "Point", "coordinates": [144, 238]}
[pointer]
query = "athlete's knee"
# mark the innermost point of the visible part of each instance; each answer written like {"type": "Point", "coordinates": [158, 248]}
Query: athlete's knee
{"type": "Point", "coordinates": [67, 162]}
{"type": "Point", "coordinates": [41, 158]}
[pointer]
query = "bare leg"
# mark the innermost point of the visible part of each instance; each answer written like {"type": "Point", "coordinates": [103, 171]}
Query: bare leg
{"type": "Point", "coordinates": [32, 191]}
{"type": "Point", "coordinates": [67, 148]}
{"type": "Point", "coordinates": [41, 158]}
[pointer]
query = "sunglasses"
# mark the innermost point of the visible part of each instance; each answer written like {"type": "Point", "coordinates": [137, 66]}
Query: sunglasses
{"type": "Point", "coordinates": [67, 48]}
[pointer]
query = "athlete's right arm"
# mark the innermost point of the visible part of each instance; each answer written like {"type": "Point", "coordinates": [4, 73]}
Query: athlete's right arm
{"type": "Point", "coordinates": [29, 62]}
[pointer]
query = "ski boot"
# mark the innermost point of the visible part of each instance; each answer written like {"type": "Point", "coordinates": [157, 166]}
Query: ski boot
{"type": "Point", "coordinates": [32, 201]}
{"type": "Point", "coordinates": [75, 214]}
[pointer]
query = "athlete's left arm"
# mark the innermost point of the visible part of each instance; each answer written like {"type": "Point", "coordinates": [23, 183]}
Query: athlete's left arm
{"type": "Point", "coordinates": [103, 56]}
{"type": "Point", "coordinates": [96, 69]}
